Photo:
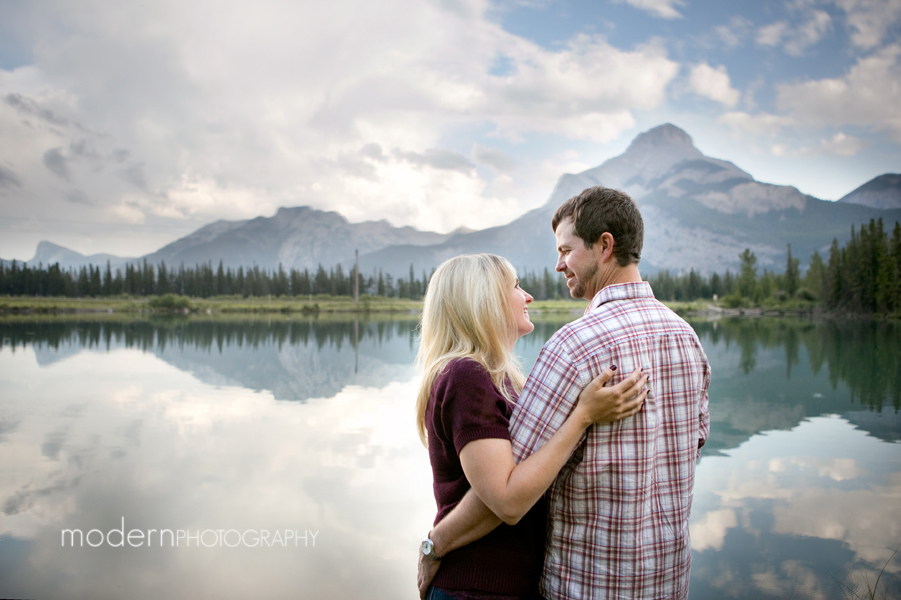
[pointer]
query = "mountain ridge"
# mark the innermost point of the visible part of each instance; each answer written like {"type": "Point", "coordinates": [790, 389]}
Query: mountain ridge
{"type": "Point", "coordinates": [700, 212]}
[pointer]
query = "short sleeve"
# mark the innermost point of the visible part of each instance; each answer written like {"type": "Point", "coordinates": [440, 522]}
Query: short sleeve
{"type": "Point", "coordinates": [469, 405]}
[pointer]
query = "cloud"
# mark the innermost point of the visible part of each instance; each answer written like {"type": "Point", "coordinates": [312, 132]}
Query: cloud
{"type": "Point", "coordinates": [796, 38]}
{"type": "Point", "coordinates": [839, 145]}
{"type": "Point", "coordinates": [587, 90]}
{"type": "Point", "coordinates": [166, 113]}
{"type": "Point", "coordinates": [56, 162]}
{"type": "Point", "coordinates": [734, 33]}
{"type": "Point", "coordinates": [78, 197]}
{"type": "Point", "coordinates": [772, 34]}
{"type": "Point", "coordinates": [713, 83]}
{"type": "Point", "coordinates": [497, 160]}
{"type": "Point", "coordinates": [761, 133]}
{"type": "Point", "coordinates": [870, 20]}
{"type": "Point", "coordinates": [28, 106]}
{"type": "Point", "coordinates": [8, 178]}
{"type": "Point", "coordinates": [867, 96]}
{"type": "Point", "coordinates": [762, 124]}
{"type": "Point", "coordinates": [437, 158]}
{"type": "Point", "coordinates": [809, 33]}
{"type": "Point", "coordinates": [665, 9]}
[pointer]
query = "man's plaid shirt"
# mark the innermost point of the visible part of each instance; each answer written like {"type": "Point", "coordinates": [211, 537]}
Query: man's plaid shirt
{"type": "Point", "coordinates": [618, 511]}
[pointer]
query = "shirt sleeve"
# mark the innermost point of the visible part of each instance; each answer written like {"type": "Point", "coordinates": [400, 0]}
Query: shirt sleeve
{"type": "Point", "coordinates": [471, 407]}
{"type": "Point", "coordinates": [704, 409]}
{"type": "Point", "coordinates": [548, 398]}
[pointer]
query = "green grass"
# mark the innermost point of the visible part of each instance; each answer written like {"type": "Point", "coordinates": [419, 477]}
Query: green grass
{"type": "Point", "coordinates": [49, 306]}
{"type": "Point", "coordinates": [321, 305]}
{"type": "Point", "coordinates": [171, 303]}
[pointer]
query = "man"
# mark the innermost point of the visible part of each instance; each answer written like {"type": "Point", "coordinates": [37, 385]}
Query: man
{"type": "Point", "coordinates": [618, 512]}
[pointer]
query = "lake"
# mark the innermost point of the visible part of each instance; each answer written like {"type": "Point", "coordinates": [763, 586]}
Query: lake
{"type": "Point", "coordinates": [270, 458]}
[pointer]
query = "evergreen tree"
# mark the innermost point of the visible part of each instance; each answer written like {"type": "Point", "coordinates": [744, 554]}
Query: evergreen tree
{"type": "Point", "coordinates": [321, 281]}
{"type": "Point", "coordinates": [163, 282]}
{"type": "Point", "coordinates": [833, 287]}
{"type": "Point", "coordinates": [813, 279]}
{"type": "Point", "coordinates": [107, 289]}
{"type": "Point", "coordinates": [747, 278]}
{"type": "Point", "coordinates": [240, 283]}
{"type": "Point", "coordinates": [96, 285]}
{"type": "Point", "coordinates": [792, 274]}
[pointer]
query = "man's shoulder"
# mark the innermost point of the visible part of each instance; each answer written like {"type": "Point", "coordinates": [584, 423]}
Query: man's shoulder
{"type": "Point", "coordinates": [578, 332]}
{"type": "Point", "coordinates": [611, 322]}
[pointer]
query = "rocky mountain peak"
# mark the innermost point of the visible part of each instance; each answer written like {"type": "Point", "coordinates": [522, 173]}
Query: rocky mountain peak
{"type": "Point", "coordinates": [650, 156]}
{"type": "Point", "coordinates": [666, 135]}
{"type": "Point", "coordinates": [883, 192]}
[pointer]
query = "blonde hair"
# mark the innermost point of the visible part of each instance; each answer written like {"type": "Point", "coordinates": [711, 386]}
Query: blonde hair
{"type": "Point", "coordinates": [467, 314]}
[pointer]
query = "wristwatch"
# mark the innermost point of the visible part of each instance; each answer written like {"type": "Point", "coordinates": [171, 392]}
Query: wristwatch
{"type": "Point", "coordinates": [428, 549]}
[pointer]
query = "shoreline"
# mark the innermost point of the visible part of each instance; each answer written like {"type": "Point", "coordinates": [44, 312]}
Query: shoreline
{"type": "Point", "coordinates": [224, 306]}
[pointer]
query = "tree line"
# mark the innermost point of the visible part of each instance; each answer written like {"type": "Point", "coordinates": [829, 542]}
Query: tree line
{"type": "Point", "coordinates": [864, 276]}
{"type": "Point", "coordinates": [201, 281]}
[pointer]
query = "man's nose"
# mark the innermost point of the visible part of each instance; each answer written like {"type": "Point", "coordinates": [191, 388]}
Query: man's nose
{"type": "Point", "coordinates": [561, 265]}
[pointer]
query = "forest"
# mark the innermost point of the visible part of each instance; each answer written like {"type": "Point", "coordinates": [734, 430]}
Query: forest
{"type": "Point", "coordinates": [863, 276]}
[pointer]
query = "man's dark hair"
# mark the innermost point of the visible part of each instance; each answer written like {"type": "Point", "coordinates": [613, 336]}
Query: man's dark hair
{"type": "Point", "coordinates": [598, 210]}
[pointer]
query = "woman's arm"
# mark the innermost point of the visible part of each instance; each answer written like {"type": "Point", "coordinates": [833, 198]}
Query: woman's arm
{"type": "Point", "coordinates": [510, 490]}
{"type": "Point", "coordinates": [469, 521]}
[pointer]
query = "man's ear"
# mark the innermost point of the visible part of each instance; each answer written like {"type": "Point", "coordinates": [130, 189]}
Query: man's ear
{"type": "Point", "coordinates": [605, 246]}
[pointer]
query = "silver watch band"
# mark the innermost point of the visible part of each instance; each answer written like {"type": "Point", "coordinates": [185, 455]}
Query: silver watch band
{"type": "Point", "coordinates": [428, 549]}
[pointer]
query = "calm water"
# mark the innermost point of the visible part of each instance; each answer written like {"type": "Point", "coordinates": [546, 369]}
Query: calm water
{"type": "Point", "coordinates": [281, 456]}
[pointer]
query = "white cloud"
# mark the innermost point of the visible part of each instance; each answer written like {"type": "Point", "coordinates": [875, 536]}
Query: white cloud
{"type": "Point", "coordinates": [713, 83]}
{"type": "Point", "coordinates": [665, 9]}
{"type": "Point", "coordinates": [839, 145]}
{"type": "Point", "coordinates": [762, 124]}
{"type": "Point", "coordinates": [870, 20]}
{"type": "Point", "coordinates": [795, 39]}
{"type": "Point", "coordinates": [586, 90]}
{"type": "Point", "coordinates": [498, 160]}
{"type": "Point", "coordinates": [210, 110]}
{"type": "Point", "coordinates": [772, 34]}
{"type": "Point", "coordinates": [867, 96]}
{"type": "Point", "coordinates": [734, 33]}
{"type": "Point", "coordinates": [808, 33]}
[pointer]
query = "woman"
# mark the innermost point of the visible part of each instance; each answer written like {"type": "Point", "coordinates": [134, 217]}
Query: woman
{"type": "Point", "coordinates": [473, 314]}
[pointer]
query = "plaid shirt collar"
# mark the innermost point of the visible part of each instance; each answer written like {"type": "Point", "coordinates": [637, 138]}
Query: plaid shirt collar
{"type": "Point", "coordinates": [620, 291]}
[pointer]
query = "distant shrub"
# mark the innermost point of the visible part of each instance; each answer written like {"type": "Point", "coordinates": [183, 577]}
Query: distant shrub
{"type": "Point", "coordinates": [171, 302]}
{"type": "Point", "coordinates": [805, 294]}
{"type": "Point", "coordinates": [736, 301]}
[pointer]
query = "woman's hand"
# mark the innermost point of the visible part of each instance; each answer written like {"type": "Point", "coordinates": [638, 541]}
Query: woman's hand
{"type": "Point", "coordinates": [428, 568]}
{"type": "Point", "coordinates": [600, 404]}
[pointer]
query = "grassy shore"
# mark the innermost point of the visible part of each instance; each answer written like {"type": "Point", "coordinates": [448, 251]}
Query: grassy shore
{"type": "Point", "coordinates": [11, 305]}
{"type": "Point", "coordinates": [204, 306]}
{"type": "Point", "coordinates": [339, 305]}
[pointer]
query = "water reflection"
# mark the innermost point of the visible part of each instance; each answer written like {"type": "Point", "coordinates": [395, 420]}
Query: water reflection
{"type": "Point", "coordinates": [177, 423]}
{"type": "Point", "coordinates": [292, 359]}
{"type": "Point", "coordinates": [862, 354]}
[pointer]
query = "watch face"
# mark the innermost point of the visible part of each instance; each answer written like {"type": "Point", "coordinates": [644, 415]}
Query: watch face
{"type": "Point", "coordinates": [427, 547]}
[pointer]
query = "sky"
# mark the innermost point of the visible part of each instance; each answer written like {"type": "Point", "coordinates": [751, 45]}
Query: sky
{"type": "Point", "coordinates": [126, 125]}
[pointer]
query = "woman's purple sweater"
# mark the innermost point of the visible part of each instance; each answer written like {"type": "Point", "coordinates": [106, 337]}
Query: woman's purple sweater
{"type": "Point", "coordinates": [465, 406]}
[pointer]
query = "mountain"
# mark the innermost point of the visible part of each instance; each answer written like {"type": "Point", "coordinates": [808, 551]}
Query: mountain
{"type": "Point", "coordinates": [880, 192]}
{"type": "Point", "coordinates": [299, 237]}
{"type": "Point", "coordinates": [48, 253]}
{"type": "Point", "coordinates": [699, 212]}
